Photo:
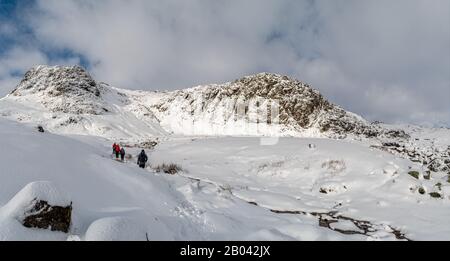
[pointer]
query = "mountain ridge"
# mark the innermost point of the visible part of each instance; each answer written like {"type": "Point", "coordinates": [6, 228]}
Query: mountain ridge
{"type": "Point", "coordinates": [67, 100]}
{"type": "Point", "coordinates": [263, 104]}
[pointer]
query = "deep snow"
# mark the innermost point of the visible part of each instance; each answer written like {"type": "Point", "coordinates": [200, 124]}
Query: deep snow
{"type": "Point", "coordinates": [360, 182]}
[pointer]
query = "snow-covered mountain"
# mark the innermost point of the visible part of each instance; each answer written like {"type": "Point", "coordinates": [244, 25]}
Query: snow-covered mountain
{"type": "Point", "coordinates": [331, 175]}
{"type": "Point", "coordinates": [69, 100]}
{"type": "Point", "coordinates": [263, 104]}
{"type": "Point", "coordinates": [63, 89]}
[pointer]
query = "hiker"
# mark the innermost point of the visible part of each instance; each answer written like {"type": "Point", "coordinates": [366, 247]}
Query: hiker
{"type": "Point", "coordinates": [117, 151]}
{"type": "Point", "coordinates": [114, 148]}
{"type": "Point", "coordinates": [142, 159]}
{"type": "Point", "coordinates": [122, 154]}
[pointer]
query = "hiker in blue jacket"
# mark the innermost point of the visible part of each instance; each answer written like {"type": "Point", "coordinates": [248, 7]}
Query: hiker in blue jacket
{"type": "Point", "coordinates": [142, 159]}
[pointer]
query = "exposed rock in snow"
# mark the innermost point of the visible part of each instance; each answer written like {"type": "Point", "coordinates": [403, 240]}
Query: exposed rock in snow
{"type": "Point", "coordinates": [36, 191]}
{"type": "Point", "coordinates": [41, 205]}
{"type": "Point", "coordinates": [427, 147]}
{"type": "Point", "coordinates": [45, 216]}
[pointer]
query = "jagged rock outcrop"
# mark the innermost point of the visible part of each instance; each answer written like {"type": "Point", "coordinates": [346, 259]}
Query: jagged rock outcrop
{"type": "Point", "coordinates": [300, 107]}
{"type": "Point", "coordinates": [297, 100]}
{"type": "Point", "coordinates": [68, 89]}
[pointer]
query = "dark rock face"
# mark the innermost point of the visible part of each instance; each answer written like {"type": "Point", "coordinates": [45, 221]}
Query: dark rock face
{"type": "Point", "coordinates": [435, 195]}
{"type": "Point", "coordinates": [296, 99]}
{"type": "Point", "coordinates": [401, 134]}
{"type": "Point", "coordinates": [44, 216]}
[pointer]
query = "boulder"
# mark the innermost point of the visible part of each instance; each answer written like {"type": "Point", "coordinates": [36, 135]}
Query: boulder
{"type": "Point", "coordinates": [44, 216]}
{"type": "Point", "coordinates": [41, 205]}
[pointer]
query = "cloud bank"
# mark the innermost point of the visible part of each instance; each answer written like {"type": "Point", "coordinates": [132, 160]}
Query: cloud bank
{"type": "Point", "coordinates": [386, 60]}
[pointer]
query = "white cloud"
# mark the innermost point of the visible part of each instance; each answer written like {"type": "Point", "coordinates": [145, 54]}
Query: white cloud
{"type": "Point", "coordinates": [17, 60]}
{"type": "Point", "coordinates": [387, 60]}
{"type": "Point", "coordinates": [165, 44]}
{"type": "Point", "coordinates": [390, 59]}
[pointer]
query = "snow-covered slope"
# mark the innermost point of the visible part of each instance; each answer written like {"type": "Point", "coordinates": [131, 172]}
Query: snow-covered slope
{"type": "Point", "coordinates": [117, 201]}
{"type": "Point", "coordinates": [228, 189]}
{"type": "Point", "coordinates": [97, 186]}
{"type": "Point", "coordinates": [292, 177]}
{"type": "Point", "coordinates": [111, 200]}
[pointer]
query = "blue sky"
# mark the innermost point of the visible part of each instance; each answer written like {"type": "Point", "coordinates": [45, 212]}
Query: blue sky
{"type": "Point", "coordinates": [385, 60]}
{"type": "Point", "coordinates": [11, 13]}
{"type": "Point", "coordinates": [7, 8]}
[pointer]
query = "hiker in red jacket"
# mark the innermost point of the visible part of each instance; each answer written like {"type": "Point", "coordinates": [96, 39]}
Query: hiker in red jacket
{"type": "Point", "coordinates": [117, 151]}
{"type": "Point", "coordinates": [114, 148]}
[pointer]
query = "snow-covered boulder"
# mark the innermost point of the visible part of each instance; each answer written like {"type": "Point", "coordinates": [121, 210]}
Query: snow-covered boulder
{"type": "Point", "coordinates": [116, 229]}
{"type": "Point", "coordinates": [41, 205]}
